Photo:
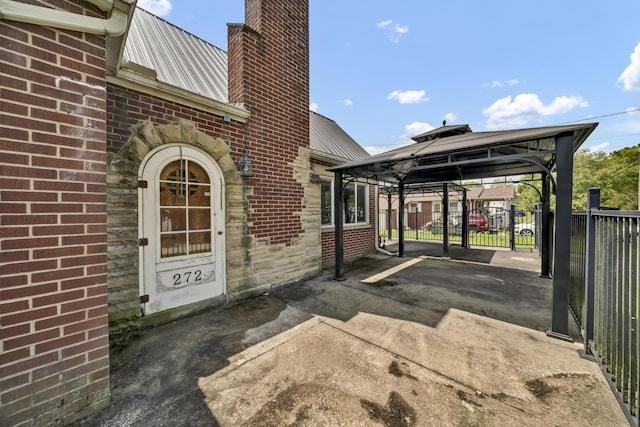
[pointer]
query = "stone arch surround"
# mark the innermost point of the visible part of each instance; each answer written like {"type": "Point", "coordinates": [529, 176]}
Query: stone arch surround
{"type": "Point", "coordinates": [123, 275]}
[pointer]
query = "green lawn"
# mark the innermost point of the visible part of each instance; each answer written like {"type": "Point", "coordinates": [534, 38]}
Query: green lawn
{"type": "Point", "coordinates": [499, 239]}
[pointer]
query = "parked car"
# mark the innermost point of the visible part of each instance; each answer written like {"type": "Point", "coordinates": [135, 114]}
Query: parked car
{"type": "Point", "coordinates": [477, 223]}
{"type": "Point", "coordinates": [525, 229]}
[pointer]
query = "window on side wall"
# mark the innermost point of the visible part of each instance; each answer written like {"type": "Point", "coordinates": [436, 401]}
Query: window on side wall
{"type": "Point", "coordinates": [356, 203]}
{"type": "Point", "coordinates": [326, 202]}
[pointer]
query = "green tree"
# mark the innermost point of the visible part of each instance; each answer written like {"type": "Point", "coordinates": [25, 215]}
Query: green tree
{"type": "Point", "coordinates": [621, 179]}
{"type": "Point", "coordinates": [529, 191]}
{"type": "Point", "coordinates": [526, 195]}
{"type": "Point", "coordinates": [616, 174]}
{"type": "Point", "coordinates": [588, 170]}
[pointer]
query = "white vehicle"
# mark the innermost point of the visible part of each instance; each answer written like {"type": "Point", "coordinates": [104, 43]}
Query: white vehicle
{"type": "Point", "coordinates": [526, 229]}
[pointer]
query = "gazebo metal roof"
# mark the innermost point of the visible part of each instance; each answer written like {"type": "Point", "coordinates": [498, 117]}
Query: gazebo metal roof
{"type": "Point", "coordinates": [452, 153]}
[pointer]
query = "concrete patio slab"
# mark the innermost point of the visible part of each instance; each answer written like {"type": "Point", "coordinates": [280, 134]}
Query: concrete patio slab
{"type": "Point", "coordinates": [374, 370]}
{"type": "Point", "coordinates": [436, 342]}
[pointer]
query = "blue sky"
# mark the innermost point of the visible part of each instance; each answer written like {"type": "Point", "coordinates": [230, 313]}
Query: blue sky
{"type": "Point", "coordinates": [386, 71]}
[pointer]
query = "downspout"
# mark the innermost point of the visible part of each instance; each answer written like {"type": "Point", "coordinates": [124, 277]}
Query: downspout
{"type": "Point", "coordinates": [113, 26]}
{"type": "Point", "coordinates": [375, 237]}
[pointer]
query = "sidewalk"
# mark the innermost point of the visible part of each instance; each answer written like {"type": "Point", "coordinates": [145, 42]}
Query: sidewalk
{"type": "Point", "coordinates": [440, 342]}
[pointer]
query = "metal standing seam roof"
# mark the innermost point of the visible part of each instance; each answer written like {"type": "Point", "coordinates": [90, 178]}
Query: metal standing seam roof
{"type": "Point", "coordinates": [179, 58]}
{"type": "Point", "coordinates": [328, 137]}
{"type": "Point", "coordinates": [469, 155]}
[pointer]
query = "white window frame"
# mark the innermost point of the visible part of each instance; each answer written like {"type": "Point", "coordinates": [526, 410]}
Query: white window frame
{"type": "Point", "coordinates": [357, 208]}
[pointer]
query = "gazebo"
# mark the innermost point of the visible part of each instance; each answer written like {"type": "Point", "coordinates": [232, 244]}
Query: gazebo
{"type": "Point", "coordinates": [454, 152]}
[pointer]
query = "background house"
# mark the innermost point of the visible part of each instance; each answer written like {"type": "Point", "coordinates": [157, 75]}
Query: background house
{"type": "Point", "coordinates": [423, 207]}
{"type": "Point", "coordinates": [124, 199]}
{"type": "Point", "coordinates": [490, 197]}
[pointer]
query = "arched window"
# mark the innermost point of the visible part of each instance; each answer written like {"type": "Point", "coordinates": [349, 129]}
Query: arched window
{"type": "Point", "coordinates": [185, 209]}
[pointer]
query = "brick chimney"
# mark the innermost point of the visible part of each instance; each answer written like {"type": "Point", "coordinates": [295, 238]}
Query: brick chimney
{"type": "Point", "coordinates": [269, 75]}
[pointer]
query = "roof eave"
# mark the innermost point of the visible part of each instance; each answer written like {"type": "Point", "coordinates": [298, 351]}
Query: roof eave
{"type": "Point", "coordinates": [327, 157]}
{"type": "Point", "coordinates": [131, 79]}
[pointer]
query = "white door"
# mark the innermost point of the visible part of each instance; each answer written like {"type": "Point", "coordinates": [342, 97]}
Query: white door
{"type": "Point", "coordinates": [182, 259]}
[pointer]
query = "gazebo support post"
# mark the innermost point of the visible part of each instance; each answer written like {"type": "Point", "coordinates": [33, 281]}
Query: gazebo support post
{"type": "Point", "coordinates": [562, 245]}
{"type": "Point", "coordinates": [545, 229]}
{"type": "Point", "coordinates": [465, 220]}
{"type": "Point", "coordinates": [389, 217]}
{"type": "Point", "coordinates": [401, 219]}
{"type": "Point", "coordinates": [445, 220]}
{"type": "Point", "coordinates": [338, 215]}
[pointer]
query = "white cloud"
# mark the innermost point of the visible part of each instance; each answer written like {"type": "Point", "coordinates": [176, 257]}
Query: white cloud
{"type": "Point", "coordinates": [410, 130]}
{"type": "Point", "coordinates": [450, 117]}
{"type": "Point", "coordinates": [157, 7]}
{"type": "Point", "coordinates": [630, 77]}
{"type": "Point", "coordinates": [395, 32]}
{"type": "Point", "coordinates": [506, 113]}
{"type": "Point", "coordinates": [346, 102]}
{"type": "Point", "coordinates": [408, 96]}
{"type": "Point", "coordinates": [498, 83]}
{"type": "Point", "coordinates": [416, 128]}
{"type": "Point", "coordinates": [377, 149]}
{"type": "Point", "coordinates": [632, 110]}
{"type": "Point", "coordinates": [398, 32]}
{"type": "Point", "coordinates": [313, 106]}
{"type": "Point", "coordinates": [563, 104]}
{"type": "Point", "coordinates": [599, 147]}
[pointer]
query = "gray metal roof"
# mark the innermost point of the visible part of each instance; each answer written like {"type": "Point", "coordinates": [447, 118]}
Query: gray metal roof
{"type": "Point", "coordinates": [470, 155]}
{"type": "Point", "coordinates": [442, 132]}
{"type": "Point", "coordinates": [178, 57]}
{"type": "Point", "coordinates": [327, 136]}
{"type": "Point", "coordinates": [186, 61]}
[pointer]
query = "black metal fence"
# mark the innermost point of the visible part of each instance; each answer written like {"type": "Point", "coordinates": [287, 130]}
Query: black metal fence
{"type": "Point", "coordinates": [578, 258]}
{"type": "Point", "coordinates": [493, 227]}
{"type": "Point", "coordinates": [605, 295]}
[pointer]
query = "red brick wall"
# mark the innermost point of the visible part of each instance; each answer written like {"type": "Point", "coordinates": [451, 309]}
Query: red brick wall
{"type": "Point", "coordinates": [54, 361]}
{"type": "Point", "coordinates": [269, 74]}
{"type": "Point", "coordinates": [357, 242]}
{"type": "Point", "coordinates": [127, 108]}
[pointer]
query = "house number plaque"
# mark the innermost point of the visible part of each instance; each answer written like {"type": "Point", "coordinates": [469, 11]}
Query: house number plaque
{"type": "Point", "coordinates": [190, 276]}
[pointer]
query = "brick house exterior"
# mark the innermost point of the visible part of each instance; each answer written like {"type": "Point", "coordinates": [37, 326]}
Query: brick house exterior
{"type": "Point", "coordinates": [79, 133]}
{"type": "Point", "coordinates": [54, 362]}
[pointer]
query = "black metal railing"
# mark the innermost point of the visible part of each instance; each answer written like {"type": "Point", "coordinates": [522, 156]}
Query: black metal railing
{"type": "Point", "coordinates": [605, 294]}
{"type": "Point", "coordinates": [578, 257]}
{"type": "Point", "coordinates": [615, 310]}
